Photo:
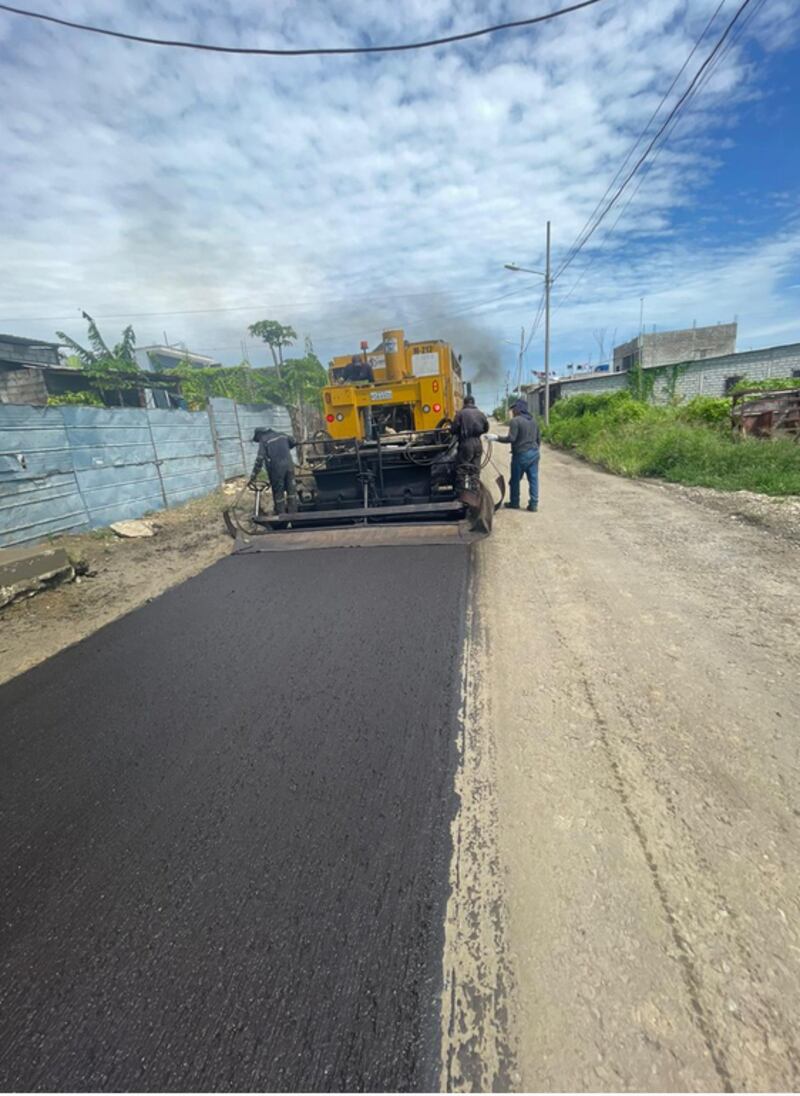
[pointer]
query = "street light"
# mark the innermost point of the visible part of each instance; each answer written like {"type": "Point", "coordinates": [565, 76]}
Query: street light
{"type": "Point", "coordinates": [548, 281]}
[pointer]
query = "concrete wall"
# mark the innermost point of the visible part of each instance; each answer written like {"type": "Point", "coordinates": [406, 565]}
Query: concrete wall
{"type": "Point", "coordinates": [699, 378]}
{"type": "Point", "coordinates": [73, 468]}
{"type": "Point", "coordinates": [22, 385]}
{"type": "Point", "coordinates": [690, 344]}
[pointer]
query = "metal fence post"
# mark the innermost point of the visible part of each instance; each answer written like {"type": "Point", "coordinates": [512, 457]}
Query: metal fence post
{"type": "Point", "coordinates": [215, 443]}
{"type": "Point", "coordinates": [156, 459]}
{"type": "Point", "coordinates": [241, 439]}
{"type": "Point", "coordinates": [78, 487]}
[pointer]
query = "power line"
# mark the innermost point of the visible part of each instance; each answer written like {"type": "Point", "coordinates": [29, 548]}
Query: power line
{"type": "Point", "coordinates": [661, 130]}
{"type": "Point", "coordinates": [311, 52]}
{"type": "Point", "coordinates": [639, 139]}
{"type": "Point", "coordinates": [319, 303]}
{"type": "Point", "coordinates": [701, 83]}
{"type": "Point", "coordinates": [536, 321]}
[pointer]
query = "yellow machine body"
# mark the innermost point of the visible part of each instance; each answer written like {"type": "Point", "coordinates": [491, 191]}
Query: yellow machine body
{"type": "Point", "coordinates": [416, 386]}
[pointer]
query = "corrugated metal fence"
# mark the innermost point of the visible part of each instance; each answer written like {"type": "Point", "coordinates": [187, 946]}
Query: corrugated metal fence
{"type": "Point", "coordinates": [70, 468]}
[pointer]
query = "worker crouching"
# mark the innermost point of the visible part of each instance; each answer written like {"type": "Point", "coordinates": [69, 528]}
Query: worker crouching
{"type": "Point", "coordinates": [275, 456]}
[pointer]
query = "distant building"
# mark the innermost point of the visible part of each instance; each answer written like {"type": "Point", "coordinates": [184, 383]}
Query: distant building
{"type": "Point", "coordinates": [23, 363]}
{"type": "Point", "coordinates": [665, 347]}
{"type": "Point", "coordinates": [163, 359]}
{"type": "Point", "coordinates": [706, 376]}
{"type": "Point", "coordinates": [31, 371]}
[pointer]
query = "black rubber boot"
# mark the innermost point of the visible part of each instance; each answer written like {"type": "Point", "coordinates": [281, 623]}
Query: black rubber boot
{"type": "Point", "coordinates": [532, 509]}
{"type": "Point", "coordinates": [511, 506]}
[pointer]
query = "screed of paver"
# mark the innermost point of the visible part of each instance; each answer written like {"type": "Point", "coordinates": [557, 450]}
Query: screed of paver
{"type": "Point", "coordinates": [226, 833]}
{"type": "Point", "coordinates": [644, 661]}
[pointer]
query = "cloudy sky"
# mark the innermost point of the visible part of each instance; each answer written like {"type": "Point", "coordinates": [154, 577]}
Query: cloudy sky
{"type": "Point", "coordinates": [192, 193]}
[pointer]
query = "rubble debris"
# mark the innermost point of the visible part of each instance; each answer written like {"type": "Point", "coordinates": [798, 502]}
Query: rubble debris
{"type": "Point", "coordinates": [137, 528]}
{"type": "Point", "coordinates": [25, 571]}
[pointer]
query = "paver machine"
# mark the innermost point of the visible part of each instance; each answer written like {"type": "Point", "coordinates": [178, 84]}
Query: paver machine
{"type": "Point", "coordinates": [384, 469]}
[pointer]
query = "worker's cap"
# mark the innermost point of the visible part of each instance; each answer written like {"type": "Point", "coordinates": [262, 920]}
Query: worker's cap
{"type": "Point", "coordinates": [469, 401]}
{"type": "Point", "coordinates": [520, 406]}
{"type": "Point", "coordinates": [261, 432]}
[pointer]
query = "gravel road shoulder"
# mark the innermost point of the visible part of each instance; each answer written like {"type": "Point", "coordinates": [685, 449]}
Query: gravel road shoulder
{"type": "Point", "coordinates": [126, 574]}
{"type": "Point", "coordinates": [642, 688]}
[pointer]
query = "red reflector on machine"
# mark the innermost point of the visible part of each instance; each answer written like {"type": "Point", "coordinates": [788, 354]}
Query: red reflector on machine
{"type": "Point", "coordinates": [437, 407]}
{"type": "Point", "coordinates": [330, 418]}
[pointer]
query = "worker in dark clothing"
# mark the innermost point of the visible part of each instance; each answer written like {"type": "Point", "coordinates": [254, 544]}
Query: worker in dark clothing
{"type": "Point", "coordinates": [523, 437]}
{"type": "Point", "coordinates": [468, 425]}
{"type": "Point", "coordinates": [274, 454]}
{"type": "Point", "coordinates": [358, 371]}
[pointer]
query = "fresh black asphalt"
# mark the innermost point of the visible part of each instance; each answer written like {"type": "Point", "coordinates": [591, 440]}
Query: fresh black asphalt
{"type": "Point", "coordinates": [225, 833]}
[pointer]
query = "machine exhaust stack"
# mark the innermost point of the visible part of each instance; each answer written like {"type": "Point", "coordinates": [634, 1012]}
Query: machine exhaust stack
{"type": "Point", "coordinates": [394, 351]}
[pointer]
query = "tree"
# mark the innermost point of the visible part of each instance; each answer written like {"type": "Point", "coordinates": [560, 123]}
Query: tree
{"type": "Point", "coordinates": [298, 386]}
{"type": "Point", "coordinates": [100, 360]}
{"type": "Point", "coordinates": [103, 364]}
{"type": "Point", "coordinates": [276, 336]}
{"type": "Point", "coordinates": [501, 411]}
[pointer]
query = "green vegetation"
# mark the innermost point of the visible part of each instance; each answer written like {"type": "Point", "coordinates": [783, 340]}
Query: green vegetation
{"type": "Point", "coordinates": [295, 384]}
{"type": "Point", "coordinates": [99, 361]}
{"type": "Point", "coordinates": [73, 399]}
{"type": "Point", "coordinates": [501, 412]}
{"type": "Point", "coordinates": [689, 443]}
{"type": "Point", "coordinates": [774, 384]}
{"type": "Point", "coordinates": [108, 369]}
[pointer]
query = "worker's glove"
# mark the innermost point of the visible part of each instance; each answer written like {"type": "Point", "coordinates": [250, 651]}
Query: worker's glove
{"type": "Point", "coordinates": [490, 437]}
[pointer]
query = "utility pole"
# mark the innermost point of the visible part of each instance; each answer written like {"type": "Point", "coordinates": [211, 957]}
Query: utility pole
{"type": "Point", "coordinates": [547, 281]}
{"type": "Point", "coordinates": [521, 353]}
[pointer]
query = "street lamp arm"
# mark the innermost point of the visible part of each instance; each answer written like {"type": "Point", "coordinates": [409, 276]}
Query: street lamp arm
{"type": "Point", "coordinates": [524, 270]}
{"type": "Point", "coordinates": [548, 285]}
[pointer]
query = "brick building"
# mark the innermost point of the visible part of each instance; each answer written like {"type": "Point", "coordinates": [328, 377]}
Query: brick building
{"type": "Point", "coordinates": [714, 376]}
{"type": "Point", "coordinates": [664, 347]}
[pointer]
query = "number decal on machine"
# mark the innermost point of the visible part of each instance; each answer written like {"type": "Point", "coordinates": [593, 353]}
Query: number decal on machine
{"type": "Point", "coordinates": [387, 395]}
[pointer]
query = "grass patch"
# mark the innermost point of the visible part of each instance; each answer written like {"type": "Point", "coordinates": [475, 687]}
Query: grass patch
{"type": "Point", "coordinates": [685, 444]}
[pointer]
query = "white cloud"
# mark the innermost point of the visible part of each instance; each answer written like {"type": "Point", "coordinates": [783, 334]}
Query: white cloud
{"type": "Point", "coordinates": [340, 194]}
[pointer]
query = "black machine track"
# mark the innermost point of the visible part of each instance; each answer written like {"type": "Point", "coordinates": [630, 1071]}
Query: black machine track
{"type": "Point", "coordinates": [226, 841]}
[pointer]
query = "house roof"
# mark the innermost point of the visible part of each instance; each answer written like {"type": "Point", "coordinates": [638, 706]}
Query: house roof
{"type": "Point", "coordinates": [18, 340]}
{"type": "Point", "coordinates": [176, 352]}
{"type": "Point", "coordinates": [72, 371]}
{"type": "Point", "coordinates": [573, 379]}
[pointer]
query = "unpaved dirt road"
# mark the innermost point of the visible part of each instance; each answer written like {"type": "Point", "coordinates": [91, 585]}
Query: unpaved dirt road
{"type": "Point", "coordinates": [640, 691]}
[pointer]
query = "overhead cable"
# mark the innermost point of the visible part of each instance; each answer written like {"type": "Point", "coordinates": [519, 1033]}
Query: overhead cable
{"type": "Point", "coordinates": [286, 306]}
{"type": "Point", "coordinates": [686, 95]}
{"type": "Point", "coordinates": [142, 39]}
{"type": "Point", "coordinates": [568, 257]}
{"type": "Point", "coordinates": [631, 196]}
